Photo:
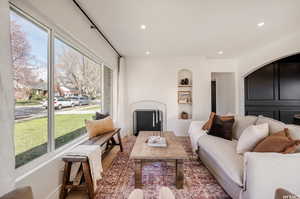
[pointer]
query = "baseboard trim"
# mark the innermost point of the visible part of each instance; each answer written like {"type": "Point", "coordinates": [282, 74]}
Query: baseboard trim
{"type": "Point", "coordinates": [55, 193]}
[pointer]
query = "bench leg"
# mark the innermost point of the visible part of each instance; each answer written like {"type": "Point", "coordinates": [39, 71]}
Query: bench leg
{"type": "Point", "coordinates": [66, 178]}
{"type": "Point", "coordinates": [88, 179]}
{"type": "Point", "coordinates": [120, 142]}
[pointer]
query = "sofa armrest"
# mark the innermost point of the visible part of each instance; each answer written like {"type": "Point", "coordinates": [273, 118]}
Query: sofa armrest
{"type": "Point", "coordinates": [195, 132]}
{"type": "Point", "coordinates": [265, 172]}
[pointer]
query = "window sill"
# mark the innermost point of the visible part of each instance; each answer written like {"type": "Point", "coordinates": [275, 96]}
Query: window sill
{"type": "Point", "coordinates": [34, 165]}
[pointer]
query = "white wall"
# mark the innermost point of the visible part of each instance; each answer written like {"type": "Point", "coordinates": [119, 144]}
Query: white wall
{"type": "Point", "coordinates": [66, 20]}
{"type": "Point", "coordinates": [256, 58]}
{"type": "Point", "coordinates": [156, 79]}
{"type": "Point", "coordinates": [6, 104]}
{"type": "Point", "coordinates": [225, 93]}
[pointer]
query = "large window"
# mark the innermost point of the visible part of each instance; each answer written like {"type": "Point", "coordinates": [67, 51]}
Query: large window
{"type": "Point", "coordinates": [29, 44]}
{"type": "Point", "coordinates": [74, 84]}
{"type": "Point", "coordinates": [77, 92]}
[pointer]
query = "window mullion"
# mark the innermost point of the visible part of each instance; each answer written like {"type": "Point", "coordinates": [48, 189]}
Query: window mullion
{"type": "Point", "coordinates": [51, 137]}
{"type": "Point", "coordinates": [102, 88]}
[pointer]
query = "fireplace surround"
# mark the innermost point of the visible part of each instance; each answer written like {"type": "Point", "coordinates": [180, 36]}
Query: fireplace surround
{"type": "Point", "coordinates": [148, 115]}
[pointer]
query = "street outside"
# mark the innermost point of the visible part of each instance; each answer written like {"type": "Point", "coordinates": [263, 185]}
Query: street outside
{"type": "Point", "coordinates": [35, 111]}
{"type": "Point", "coordinates": [31, 121]}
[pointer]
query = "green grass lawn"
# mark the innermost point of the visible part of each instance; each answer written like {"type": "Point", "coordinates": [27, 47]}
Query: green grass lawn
{"type": "Point", "coordinates": [28, 102]}
{"type": "Point", "coordinates": [91, 108]}
{"type": "Point", "coordinates": [32, 133]}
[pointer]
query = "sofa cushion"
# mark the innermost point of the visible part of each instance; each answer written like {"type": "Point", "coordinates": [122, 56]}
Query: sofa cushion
{"type": "Point", "coordinates": [251, 136]}
{"type": "Point", "coordinates": [222, 127]}
{"type": "Point", "coordinates": [274, 125]}
{"type": "Point", "coordinates": [294, 132]}
{"type": "Point", "coordinates": [241, 123]}
{"type": "Point", "coordinates": [223, 152]}
{"type": "Point", "coordinates": [277, 142]}
{"type": "Point", "coordinates": [100, 116]}
{"type": "Point", "coordinates": [209, 123]}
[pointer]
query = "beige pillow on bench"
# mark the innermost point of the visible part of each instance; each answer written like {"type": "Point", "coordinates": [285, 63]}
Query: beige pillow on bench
{"type": "Point", "coordinates": [98, 127]}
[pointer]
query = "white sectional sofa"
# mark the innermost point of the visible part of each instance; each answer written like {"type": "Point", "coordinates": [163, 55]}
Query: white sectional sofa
{"type": "Point", "coordinates": [252, 175]}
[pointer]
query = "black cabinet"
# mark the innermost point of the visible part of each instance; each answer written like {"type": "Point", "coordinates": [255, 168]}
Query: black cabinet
{"type": "Point", "coordinates": [274, 90]}
{"type": "Point", "coordinates": [147, 120]}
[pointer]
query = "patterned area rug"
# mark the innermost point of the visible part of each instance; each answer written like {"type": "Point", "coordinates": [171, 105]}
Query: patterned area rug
{"type": "Point", "coordinates": [118, 181]}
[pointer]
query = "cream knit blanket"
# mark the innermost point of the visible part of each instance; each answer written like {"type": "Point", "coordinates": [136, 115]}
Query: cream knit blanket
{"type": "Point", "coordinates": [93, 152]}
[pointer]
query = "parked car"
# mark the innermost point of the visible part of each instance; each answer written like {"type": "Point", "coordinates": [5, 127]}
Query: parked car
{"type": "Point", "coordinates": [84, 100]}
{"type": "Point", "coordinates": [74, 100]}
{"type": "Point", "coordinates": [59, 103]}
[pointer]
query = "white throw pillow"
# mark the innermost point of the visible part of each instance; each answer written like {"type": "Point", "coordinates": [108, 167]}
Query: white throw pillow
{"type": "Point", "coordinates": [251, 136]}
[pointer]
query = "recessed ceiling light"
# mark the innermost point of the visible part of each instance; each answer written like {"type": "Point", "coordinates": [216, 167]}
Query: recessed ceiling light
{"type": "Point", "coordinates": [143, 27]}
{"type": "Point", "coordinates": [260, 24]}
{"type": "Point", "coordinates": [220, 52]}
{"type": "Point", "coordinates": [147, 52]}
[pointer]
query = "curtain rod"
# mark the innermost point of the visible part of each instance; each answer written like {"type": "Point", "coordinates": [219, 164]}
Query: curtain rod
{"type": "Point", "coordinates": [94, 26]}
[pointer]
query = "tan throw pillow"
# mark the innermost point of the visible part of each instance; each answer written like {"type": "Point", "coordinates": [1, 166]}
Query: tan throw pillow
{"type": "Point", "coordinates": [98, 127]}
{"type": "Point", "coordinates": [251, 136]}
{"type": "Point", "coordinates": [294, 133]}
{"type": "Point", "coordinates": [209, 123]}
{"type": "Point", "coordinates": [279, 142]}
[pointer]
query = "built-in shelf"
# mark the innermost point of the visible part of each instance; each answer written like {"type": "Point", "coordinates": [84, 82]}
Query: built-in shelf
{"type": "Point", "coordinates": [184, 94]}
{"type": "Point", "coordinates": [190, 103]}
{"type": "Point", "coordinates": [184, 85]}
{"type": "Point", "coordinates": [189, 119]}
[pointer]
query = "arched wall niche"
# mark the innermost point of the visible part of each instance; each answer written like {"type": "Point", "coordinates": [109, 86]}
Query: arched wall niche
{"type": "Point", "coordinates": [185, 73]}
{"type": "Point", "coordinates": [273, 90]}
{"type": "Point", "coordinates": [184, 94]}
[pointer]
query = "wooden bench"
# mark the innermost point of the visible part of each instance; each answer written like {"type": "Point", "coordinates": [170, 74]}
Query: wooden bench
{"type": "Point", "coordinates": [83, 180]}
{"type": "Point", "coordinates": [107, 138]}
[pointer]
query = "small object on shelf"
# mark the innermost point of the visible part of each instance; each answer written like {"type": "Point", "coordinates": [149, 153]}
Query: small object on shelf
{"type": "Point", "coordinates": [184, 85]}
{"type": "Point", "coordinates": [156, 141]}
{"type": "Point", "coordinates": [184, 97]}
{"type": "Point", "coordinates": [182, 82]}
{"type": "Point", "coordinates": [186, 81]}
{"type": "Point", "coordinates": [184, 115]}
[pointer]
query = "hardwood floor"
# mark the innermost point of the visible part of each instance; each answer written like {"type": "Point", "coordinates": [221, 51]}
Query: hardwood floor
{"type": "Point", "coordinates": [106, 162]}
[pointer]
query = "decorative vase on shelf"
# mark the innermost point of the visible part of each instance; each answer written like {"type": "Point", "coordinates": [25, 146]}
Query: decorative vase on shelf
{"type": "Point", "coordinates": [184, 115]}
{"type": "Point", "coordinates": [182, 82]}
{"type": "Point", "coordinates": [186, 81]}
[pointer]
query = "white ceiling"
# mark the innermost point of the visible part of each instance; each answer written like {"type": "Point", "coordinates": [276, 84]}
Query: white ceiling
{"type": "Point", "coordinates": [193, 27]}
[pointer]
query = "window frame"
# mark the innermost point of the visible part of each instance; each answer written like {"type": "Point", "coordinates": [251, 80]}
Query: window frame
{"type": "Point", "coordinates": [54, 32]}
{"type": "Point", "coordinates": [111, 89]}
{"type": "Point", "coordinates": [62, 39]}
{"type": "Point", "coordinates": [31, 19]}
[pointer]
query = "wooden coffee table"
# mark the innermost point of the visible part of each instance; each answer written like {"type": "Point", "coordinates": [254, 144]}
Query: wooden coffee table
{"type": "Point", "coordinates": [141, 152]}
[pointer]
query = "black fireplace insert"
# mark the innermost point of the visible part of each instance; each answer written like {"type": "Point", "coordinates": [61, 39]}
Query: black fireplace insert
{"type": "Point", "coordinates": [147, 120]}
